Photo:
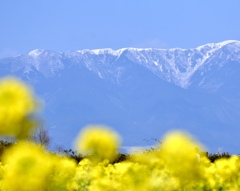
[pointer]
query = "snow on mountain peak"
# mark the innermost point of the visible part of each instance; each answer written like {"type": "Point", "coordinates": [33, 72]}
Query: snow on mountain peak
{"type": "Point", "coordinates": [228, 42]}
{"type": "Point", "coordinates": [217, 45]}
{"type": "Point", "coordinates": [175, 65]}
{"type": "Point", "coordinates": [35, 53]}
{"type": "Point", "coordinates": [105, 51]}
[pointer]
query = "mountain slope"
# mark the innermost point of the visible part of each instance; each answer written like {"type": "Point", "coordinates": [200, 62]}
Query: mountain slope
{"type": "Point", "coordinates": [142, 93]}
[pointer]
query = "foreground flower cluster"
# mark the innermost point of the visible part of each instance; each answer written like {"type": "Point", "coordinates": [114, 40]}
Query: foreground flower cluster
{"type": "Point", "coordinates": [176, 164]}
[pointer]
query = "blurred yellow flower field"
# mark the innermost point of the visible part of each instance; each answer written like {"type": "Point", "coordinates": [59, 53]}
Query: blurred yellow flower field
{"type": "Point", "coordinates": [178, 163]}
{"type": "Point", "coordinates": [17, 104]}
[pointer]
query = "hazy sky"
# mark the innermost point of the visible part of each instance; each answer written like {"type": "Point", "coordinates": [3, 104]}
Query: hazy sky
{"type": "Point", "coordinates": [62, 25]}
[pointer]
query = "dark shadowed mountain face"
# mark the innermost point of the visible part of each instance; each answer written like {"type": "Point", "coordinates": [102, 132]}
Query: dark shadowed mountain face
{"type": "Point", "coordinates": [141, 93]}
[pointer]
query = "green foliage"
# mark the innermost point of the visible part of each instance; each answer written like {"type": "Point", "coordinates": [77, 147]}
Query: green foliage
{"type": "Point", "coordinates": [215, 156]}
{"type": "Point", "coordinates": [73, 155]}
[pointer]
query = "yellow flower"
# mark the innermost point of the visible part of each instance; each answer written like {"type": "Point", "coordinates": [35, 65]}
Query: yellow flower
{"type": "Point", "coordinates": [227, 171]}
{"type": "Point", "coordinates": [64, 170]}
{"type": "Point", "coordinates": [179, 156]}
{"type": "Point", "coordinates": [98, 142]}
{"type": "Point", "coordinates": [27, 167]}
{"type": "Point", "coordinates": [17, 103]}
{"type": "Point", "coordinates": [82, 177]}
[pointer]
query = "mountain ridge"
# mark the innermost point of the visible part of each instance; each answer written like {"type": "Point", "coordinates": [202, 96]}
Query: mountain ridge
{"type": "Point", "coordinates": [165, 63]}
{"type": "Point", "coordinates": [139, 92]}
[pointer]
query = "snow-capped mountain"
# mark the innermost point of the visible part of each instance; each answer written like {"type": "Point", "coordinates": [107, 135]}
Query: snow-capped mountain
{"type": "Point", "coordinates": [142, 93]}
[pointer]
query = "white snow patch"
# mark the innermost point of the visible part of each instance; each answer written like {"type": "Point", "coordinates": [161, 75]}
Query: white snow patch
{"type": "Point", "coordinates": [217, 45]}
{"type": "Point", "coordinates": [35, 53]}
{"type": "Point", "coordinates": [227, 42]}
{"type": "Point", "coordinates": [104, 51]}
{"type": "Point", "coordinates": [156, 63]}
{"type": "Point", "coordinates": [100, 75]}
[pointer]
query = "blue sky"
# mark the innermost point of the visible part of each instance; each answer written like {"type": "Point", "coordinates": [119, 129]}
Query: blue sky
{"type": "Point", "coordinates": [62, 25]}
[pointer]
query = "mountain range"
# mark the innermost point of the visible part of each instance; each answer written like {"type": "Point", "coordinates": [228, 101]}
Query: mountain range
{"type": "Point", "coordinates": [140, 93]}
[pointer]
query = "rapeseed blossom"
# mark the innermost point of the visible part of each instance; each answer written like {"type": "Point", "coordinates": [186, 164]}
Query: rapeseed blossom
{"type": "Point", "coordinates": [178, 152]}
{"type": "Point", "coordinates": [225, 174]}
{"type": "Point", "coordinates": [175, 165]}
{"type": "Point", "coordinates": [172, 166]}
{"type": "Point", "coordinates": [62, 173]}
{"type": "Point", "coordinates": [98, 142]}
{"type": "Point", "coordinates": [27, 166]}
{"type": "Point", "coordinates": [17, 105]}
